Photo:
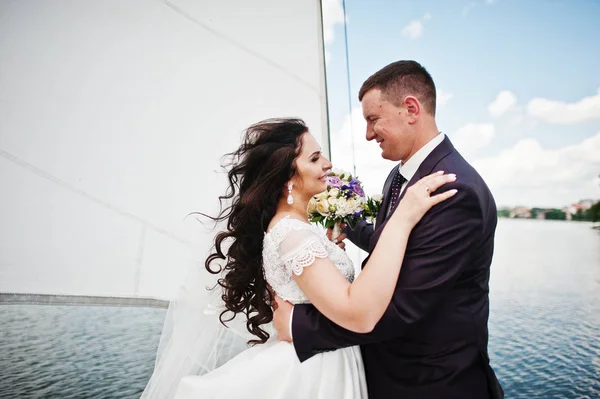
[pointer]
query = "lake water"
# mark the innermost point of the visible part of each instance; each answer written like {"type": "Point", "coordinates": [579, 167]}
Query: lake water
{"type": "Point", "coordinates": [544, 327]}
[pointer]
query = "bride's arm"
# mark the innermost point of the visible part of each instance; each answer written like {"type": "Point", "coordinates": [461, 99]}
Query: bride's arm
{"type": "Point", "coordinates": [359, 306]}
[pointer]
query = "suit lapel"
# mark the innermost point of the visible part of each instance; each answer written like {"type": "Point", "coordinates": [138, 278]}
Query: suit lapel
{"type": "Point", "coordinates": [424, 169]}
{"type": "Point", "coordinates": [429, 164]}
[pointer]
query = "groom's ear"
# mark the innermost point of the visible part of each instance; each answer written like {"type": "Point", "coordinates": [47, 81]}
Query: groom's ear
{"type": "Point", "coordinates": [413, 108]}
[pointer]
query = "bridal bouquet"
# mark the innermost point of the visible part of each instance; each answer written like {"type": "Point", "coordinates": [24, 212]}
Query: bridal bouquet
{"type": "Point", "coordinates": [344, 201]}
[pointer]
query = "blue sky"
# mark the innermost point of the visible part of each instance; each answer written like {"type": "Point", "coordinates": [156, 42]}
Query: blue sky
{"type": "Point", "coordinates": [518, 87]}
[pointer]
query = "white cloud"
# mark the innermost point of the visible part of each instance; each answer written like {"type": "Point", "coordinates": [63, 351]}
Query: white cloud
{"type": "Point", "coordinates": [333, 14]}
{"type": "Point", "coordinates": [560, 112]}
{"type": "Point", "coordinates": [414, 29]}
{"type": "Point", "coordinates": [529, 175]}
{"type": "Point", "coordinates": [505, 101]}
{"type": "Point", "coordinates": [443, 97]}
{"type": "Point", "coordinates": [468, 8]}
{"type": "Point", "coordinates": [370, 166]}
{"type": "Point", "coordinates": [472, 137]}
{"type": "Point", "coordinates": [526, 174]}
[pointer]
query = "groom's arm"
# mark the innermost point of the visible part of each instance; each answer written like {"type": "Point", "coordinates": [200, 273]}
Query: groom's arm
{"type": "Point", "coordinates": [361, 234]}
{"type": "Point", "coordinates": [439, 249]}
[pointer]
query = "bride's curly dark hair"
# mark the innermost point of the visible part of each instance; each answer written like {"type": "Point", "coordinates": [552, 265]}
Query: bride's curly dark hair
{"type": "Point", "coordinates": [258, 172]}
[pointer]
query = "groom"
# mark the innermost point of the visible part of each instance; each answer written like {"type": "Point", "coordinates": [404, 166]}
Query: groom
{"type": "Point", "coordinates": [432, 340]}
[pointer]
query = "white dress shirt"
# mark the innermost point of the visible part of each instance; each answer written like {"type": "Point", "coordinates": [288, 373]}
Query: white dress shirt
{"type": "Point", "coordinates": [407, 170]}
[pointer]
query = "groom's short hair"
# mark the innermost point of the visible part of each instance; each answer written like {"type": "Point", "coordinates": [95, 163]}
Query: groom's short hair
{"type": "Point", "coordinates": [400, 79]}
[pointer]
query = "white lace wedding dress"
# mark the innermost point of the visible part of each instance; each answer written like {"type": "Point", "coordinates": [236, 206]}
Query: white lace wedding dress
{"type": "Point", "coordinates": [272, 370]}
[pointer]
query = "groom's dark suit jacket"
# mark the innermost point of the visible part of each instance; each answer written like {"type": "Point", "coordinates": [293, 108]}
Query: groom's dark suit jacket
{"type": "Point", "coordinates": [432, 340]}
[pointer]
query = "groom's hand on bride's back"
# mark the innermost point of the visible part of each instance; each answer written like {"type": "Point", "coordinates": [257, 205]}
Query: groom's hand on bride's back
{"type": "Point", "coordinates": [281, 319]}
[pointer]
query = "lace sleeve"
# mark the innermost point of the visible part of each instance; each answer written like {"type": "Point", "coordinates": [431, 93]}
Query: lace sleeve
{"type": "Point", "coordinates": [300, 248]}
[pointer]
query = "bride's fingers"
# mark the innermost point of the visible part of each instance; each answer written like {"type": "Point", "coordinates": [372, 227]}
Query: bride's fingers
{"type": "Point", "coordinates": [427, 180]}
{"type": "Point", "coordinates": [436, 199]}
{"type": "Point", "coordinates": [434, 182]}
{"type": "Point", "coordinates": [431, 176]}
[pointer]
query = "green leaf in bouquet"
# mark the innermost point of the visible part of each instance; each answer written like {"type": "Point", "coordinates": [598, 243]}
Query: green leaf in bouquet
{"type": "Point", "coordinates": [316, 218]}
{"type": "Point", "coordinates": [350, 222]}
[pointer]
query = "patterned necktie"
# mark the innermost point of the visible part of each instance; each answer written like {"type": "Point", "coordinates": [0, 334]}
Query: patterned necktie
{"type": "Point", "coordinates": [395, 188]}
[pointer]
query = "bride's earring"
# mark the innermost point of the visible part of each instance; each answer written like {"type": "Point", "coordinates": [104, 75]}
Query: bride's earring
{"type": "Point", "coordinates": [290, 199]}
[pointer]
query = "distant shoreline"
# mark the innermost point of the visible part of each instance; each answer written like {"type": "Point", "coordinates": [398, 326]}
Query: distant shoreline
{"type": "Point", "coordinates": [593, 225]}
{"type": "Point", "coordinates": [549, 220]}
{"type": "Point", "coordinates": [7, 298]}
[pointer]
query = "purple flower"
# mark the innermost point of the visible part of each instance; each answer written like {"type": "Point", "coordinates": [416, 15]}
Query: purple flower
{"type": "Point", "coordinates": [347, 191]}
{"type": "Point", "coordinates": [356, 187]}
{"type": "Point", "coordinates": [334, 182]}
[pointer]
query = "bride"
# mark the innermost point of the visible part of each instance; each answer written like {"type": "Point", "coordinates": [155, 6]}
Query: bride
{"type": "Point", "coordinates": [270, 248]}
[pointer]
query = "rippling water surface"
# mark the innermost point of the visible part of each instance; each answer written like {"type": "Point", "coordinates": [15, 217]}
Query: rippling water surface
{"type": "Point", "coordinates": [76, 352]}
{"type": "Point", "coordinates": [544, 327]}
{"type": "Point", "coordinates": [545, 309]}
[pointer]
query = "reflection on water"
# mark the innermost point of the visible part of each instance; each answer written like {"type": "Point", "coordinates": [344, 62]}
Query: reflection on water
{"type": "Point", "coordinates": [545, 309]}
{"type": "Point", "coordinates": [544, 327]}
{"type": "Point", "coordinates": [77, 352]}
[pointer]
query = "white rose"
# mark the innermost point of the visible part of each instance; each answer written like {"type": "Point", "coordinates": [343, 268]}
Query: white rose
{"type": "Point", "coordinates": [354, 206]}
{"type": "Point", "coordinates": [334, 192]}
{"type": "Point", "coordinates": [312, 206]}
{"type": "Point", "coordinates": [377, 197]}
{"type": "Point", "coordinates": [323, 207]}
{"type": "Point", "coordinates": [343, 209]}
{"type": "Point", "coordinates": [322, 196]}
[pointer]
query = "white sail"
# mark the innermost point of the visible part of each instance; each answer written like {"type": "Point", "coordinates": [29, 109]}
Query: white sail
{"type": "Point", "coordinates": [113, 119]}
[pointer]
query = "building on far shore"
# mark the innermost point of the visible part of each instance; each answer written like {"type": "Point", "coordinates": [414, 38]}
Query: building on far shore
{"type": "Point", "coordinates": [579, 211]}
{"type": "Point", "coordinates": [541, 213]}
{"type": "Point", "coordinates": [520, 212]}
{"type": "Point", "coordinates": [586, 203]}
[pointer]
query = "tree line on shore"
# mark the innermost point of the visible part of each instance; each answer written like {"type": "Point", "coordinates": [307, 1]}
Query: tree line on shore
{"type": "Point", "coordinates": [590, 215]}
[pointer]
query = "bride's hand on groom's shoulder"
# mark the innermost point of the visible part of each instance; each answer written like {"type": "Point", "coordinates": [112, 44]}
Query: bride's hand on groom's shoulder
{"type": "Point", "coordinates": [420, 197]}
{"type": "Point", "coordinates": [281, 319]}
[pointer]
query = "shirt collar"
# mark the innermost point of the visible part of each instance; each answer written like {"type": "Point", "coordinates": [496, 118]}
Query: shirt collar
{"type": "Point", "coordinates": [408, 169]}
